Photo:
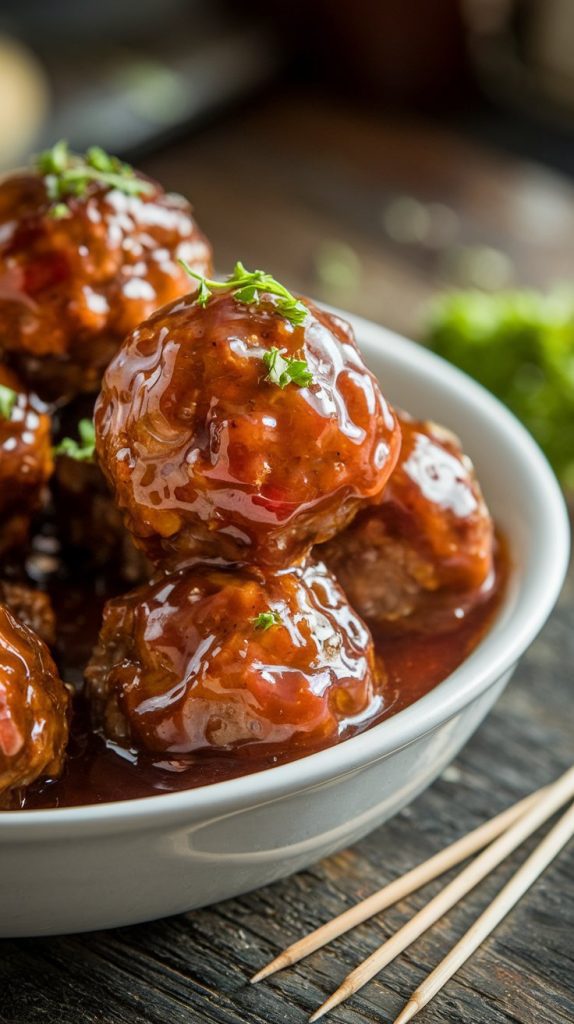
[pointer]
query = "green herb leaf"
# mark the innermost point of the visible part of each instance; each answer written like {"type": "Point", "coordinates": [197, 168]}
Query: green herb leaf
{"type": "Point", "coordinates": [97, 158]}
{"type": "Point", "coordinates": [250, 287]}
{"type": "Point", "coordinates": [284, 371]}
{"type": "Point", "coordinates": [8, 399]}
{"type": "Point", "coordinates": [54, 160]}
{"type": "Point", "coordinates": [60, 211]}
{"type": "Point", "coordinates": [265, 620]}
{"type": "Point", "coordinates": [82, 450]}
{"type": "Point", "coordinates": [203, 294]}
{"type": "Point", "coordinates": [68, 175]}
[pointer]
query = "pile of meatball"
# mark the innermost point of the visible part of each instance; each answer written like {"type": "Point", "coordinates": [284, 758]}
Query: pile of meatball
{"type": "Point", "coordinates": [271, 521]}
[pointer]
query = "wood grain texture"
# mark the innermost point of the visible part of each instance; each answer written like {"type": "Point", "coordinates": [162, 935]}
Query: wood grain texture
{"type": "Point", "coordinates": [306, 173]}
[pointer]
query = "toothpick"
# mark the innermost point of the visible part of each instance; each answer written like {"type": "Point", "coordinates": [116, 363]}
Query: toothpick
{"type": "Point", "coordinates": [400, 887]}
{"type": "Point", "coordinates": [507, 898]}
{"type": "Point", "coordinates": [557, 795]}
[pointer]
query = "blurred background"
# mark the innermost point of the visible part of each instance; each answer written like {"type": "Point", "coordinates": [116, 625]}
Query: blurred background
{"type": "Point", "coordinates": [382, 157]}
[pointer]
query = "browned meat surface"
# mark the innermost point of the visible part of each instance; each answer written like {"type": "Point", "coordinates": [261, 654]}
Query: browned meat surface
{"type": "Point", "coordinates": [228, 660]}
{"type": "Point", "coordinates": [207, 455]}
{"type": "Point", "coordinates": [32, 607]}
{"type": "Point", "coordinates": [430, 535]}
{"type": "Point", "coordinates": [72, 286]}
{"type": "Point", "coordinates": [34, 706]}
{"type": "Point", "coordinates": [25, 459]}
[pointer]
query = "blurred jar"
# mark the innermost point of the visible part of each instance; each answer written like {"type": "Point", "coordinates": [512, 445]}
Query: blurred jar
{"type": "Point", "coordinates": [25, 92]}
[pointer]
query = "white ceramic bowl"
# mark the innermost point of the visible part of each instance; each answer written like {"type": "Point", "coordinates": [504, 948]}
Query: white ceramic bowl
{"type": "Point", "coordinates": [83, 868]}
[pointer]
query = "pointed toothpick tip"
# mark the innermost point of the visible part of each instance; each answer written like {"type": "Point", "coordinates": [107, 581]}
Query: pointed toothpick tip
{"type": "Point", "coordinates": [329, 1004]}
{"type": "Point", "coordinates": [263, 973]}
{"type": "Point", "coordinates": [408, 1012]}
{"type": "Point", "coordinates": [318, 1013]}
{"type": "Point", "coordinates": [274, 965]}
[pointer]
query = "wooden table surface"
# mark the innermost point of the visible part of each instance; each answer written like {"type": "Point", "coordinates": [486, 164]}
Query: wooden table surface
{"type": "Point", "coordinates": [374, 215]}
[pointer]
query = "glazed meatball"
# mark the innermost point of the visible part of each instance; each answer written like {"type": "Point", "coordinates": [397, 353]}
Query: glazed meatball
{"type": "Point", "coordinates": [25, 459]}
{"type": "Point", "coordinates": [229, 660]}
{"type": "Point", "coordinates": [33, 710]}
{"type": "Point", "coordinates": [431, 532]}
{"type": "Point", "coordinates": [212, 453]}
{"type": "Point", "coordinates": [77, 275]}
{"type": "Point", "coordinates": [32, 607]}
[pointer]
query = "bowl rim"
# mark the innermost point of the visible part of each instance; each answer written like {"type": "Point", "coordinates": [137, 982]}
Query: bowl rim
{"type": "Point", "coordinates": [493, 657]}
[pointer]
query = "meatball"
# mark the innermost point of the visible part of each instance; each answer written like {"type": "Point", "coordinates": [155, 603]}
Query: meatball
{"type": "Point", "coordinates": [211, 452]}
{"type": "Point", "coordinates": [25, 459]}
{"type": "Point", "coordinates": [216, 659]}
{"type": "Point", "coordinates": [431, 532]}
{"type": "Point", "coordinates": [34, 706]}
{"type": "Point", "coordinates": [32, 607]}
{"type": "Point", "coordinates": [89, 525]}
{"type": "Point", "coordinates": [76, 276]}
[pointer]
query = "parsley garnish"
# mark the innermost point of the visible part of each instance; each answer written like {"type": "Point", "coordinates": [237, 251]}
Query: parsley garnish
{"type": "Point", "coordinates": [8, 399]}
{"type": "Point", "coordinates": [68, 174]}
{"type": "Point", "coordinates": [265, 620]}
{"type": "Point", "coordinates": [249, 286]}
{"type": "Point", "coordinates": [82, 450]}
{"type": "Point", "coordinates": [284, 371]}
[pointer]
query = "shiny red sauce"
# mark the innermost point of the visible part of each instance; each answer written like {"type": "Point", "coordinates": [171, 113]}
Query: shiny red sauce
{"type": "Point", "coordinates": [98, 772]}
{"type": "Point", "coordinates": [212, 456]}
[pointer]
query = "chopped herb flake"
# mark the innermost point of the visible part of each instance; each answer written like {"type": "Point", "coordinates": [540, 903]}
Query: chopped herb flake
{"type": "Point", "coordinates": [82, 450]}
{"type": "Point", "coordinates": [250, 287]}
{"type": "Point", "coordinates": [265, 620]}
{"type": "Point", "coordinates": [8, 399]}
{"type": "Point", "coordinates": [68, 174]}
{"type": "Point", "coordinates": [284, 371]}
